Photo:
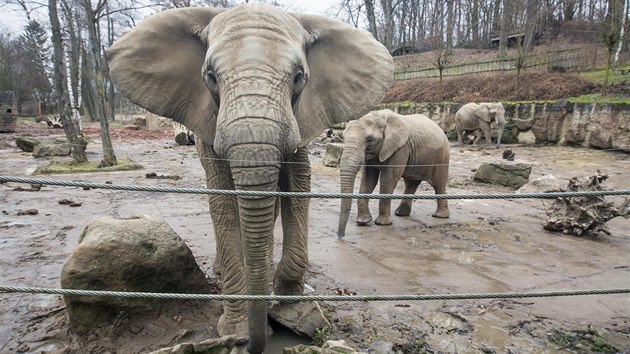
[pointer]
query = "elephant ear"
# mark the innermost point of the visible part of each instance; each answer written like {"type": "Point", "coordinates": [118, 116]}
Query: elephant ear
{"type": "Point", "coordinates": [157, 65]}
{"type": "Point", "coordinates": [349, 74]}
{"type": "Point", "coordinates": [395, 136]}
{"type": "Point", "coordinates": [483, 113]}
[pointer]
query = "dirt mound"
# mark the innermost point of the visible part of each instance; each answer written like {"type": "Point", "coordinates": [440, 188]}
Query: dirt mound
{"type": "Point", "coordinates": [491, 87]}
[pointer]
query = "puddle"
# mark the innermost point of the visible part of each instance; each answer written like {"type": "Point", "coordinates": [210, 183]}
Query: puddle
{"type": "Point", "coordinates": [282, 338]}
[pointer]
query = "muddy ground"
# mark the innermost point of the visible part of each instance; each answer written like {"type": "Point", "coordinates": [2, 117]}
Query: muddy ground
{"type": "Point", "coordinates": [485, 246]}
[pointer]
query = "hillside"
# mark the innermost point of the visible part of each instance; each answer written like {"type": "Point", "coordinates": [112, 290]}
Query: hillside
{"type": "Point", "coordinates": [500, 86]}
{"type": "Point", "coordinates": [492, 87]}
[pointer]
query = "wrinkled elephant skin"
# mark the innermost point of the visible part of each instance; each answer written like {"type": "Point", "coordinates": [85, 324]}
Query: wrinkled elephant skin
{"type": "Point", "coordinates": [255, 85]}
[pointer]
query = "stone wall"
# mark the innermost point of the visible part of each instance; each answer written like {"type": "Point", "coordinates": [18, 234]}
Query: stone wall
{"type": "Point", "coordinates": [595, 125]}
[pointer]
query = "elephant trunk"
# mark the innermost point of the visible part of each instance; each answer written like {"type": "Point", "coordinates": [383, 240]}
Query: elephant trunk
{"type": "Point", "coordinates": [351, 160]}
{"type": "Point", "coordinates": [257, 222]}
{"type": "Point", "coordinates": [499, 134]}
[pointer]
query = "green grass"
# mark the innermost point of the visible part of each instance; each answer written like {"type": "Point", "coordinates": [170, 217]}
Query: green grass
{"type": "Point", "coordinates": [615, 77]}
{"type": "Point", "coordinates": [61, 167]}
{"type": "Point", "coordinates": [581, 341]}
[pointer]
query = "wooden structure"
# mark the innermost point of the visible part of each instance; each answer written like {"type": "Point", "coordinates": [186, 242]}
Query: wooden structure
{"type": "Point", "coordinates": [8, 111]}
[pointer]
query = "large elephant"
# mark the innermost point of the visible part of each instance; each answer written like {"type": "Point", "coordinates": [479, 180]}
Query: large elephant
{"type": "Point", "coordinates": [391, 146]}
{"type": "Point", "coordinates": [473, 117]}
{"type": "Point", "coordinates": [255, 85]}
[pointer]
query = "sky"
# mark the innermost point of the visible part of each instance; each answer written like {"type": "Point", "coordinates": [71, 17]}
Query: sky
{"type": "Point", "coordinates": [13, 21]}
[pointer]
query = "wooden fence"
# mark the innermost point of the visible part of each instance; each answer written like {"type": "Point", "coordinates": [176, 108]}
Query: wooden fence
{"type": "Point", "coordinates": [560, 60]}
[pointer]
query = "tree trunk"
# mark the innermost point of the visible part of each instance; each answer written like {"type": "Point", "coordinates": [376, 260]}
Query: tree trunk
{"type": "Point", "coordinates": [474, 23]}
{"type": "Point", "coordinates": [449, 25]}
{"type": "Point", "coordinates": [369, 10]}
{"type": "Point", "coordinates": [505, 28]}
{"type": "Point", "coordinates": [76, 140]}
{"type": "Point", "coordinates": [97, 85]}
{"type": "Point", "coordinates": [531, 16]}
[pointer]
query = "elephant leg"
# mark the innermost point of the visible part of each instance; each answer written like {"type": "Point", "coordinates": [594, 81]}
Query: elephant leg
{"type": "Point", "coordinates": [478, 135]}
{"type": "Point", "coordinates": [368, 183]}
{"type": "Point", "coordinates": [404, 209]}
{"type": "Point", "coordinates": [390, 175]}
{"type": "Point", "coordinates": [289, 277]}
{"type": "Point", "coordinates": [224, 213]}
{"type": "Point", "coordinates": [460, 134]}
{"type": "Point", "coordinates": [439, 180]}
{"type": "Point", "coordinates": [488, 133]}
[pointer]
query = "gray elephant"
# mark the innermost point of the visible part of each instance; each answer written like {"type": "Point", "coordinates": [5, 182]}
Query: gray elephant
{"type": "Point", "coordinates": [255, 85]}
{"type": "Point", "coordinates": [392, 146]}
{"type": "Point", "coordinates": [477, 118]}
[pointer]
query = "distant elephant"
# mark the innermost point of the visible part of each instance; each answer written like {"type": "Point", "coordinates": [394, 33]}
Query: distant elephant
{"type": "Point", "coordinates": [255, 85]}
{"type": "Point", "coordinates": [392, 146]}
{"type": "Point", "coordinates": [473, 118]}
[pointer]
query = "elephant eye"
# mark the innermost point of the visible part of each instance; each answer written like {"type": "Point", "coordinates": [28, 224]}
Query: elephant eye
{"type": "Point", "coordinates": [298, 76]}
{"type": "Point", "coordinates": [211, 80]}
{"type": "Point", "coordinates": [299, 82]}
{"type": "Point", "coordinates": [369, 140]}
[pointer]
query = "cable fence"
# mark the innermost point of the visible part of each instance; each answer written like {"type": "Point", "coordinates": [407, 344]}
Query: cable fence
{"type": "Point", "coordinates": [225, 297]}
{"type": "Point", "coordinates": [138, 188]}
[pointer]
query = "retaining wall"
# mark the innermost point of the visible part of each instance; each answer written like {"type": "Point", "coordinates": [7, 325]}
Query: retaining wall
{"type": "Point", "coordinates": [594, 125]}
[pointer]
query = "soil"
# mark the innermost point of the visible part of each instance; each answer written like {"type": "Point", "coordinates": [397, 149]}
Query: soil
{"type": "Point", "coordinates": [485, 246]}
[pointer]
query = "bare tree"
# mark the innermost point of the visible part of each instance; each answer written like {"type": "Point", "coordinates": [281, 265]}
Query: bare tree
{"type": "Point", "coordinates": [73, 133]}
{"type": "Point", "coordinates": [97, 84]}
{"type": "Point", "coordinates": [371, 17]}
{"type": "Point", "coordinates": [505, 27]}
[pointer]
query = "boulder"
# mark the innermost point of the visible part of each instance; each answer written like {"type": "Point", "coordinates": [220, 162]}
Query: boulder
{"type": "Point", "coordinates": [330, 347]}
{"type": "Point", "coordinates": [51, 149]}
{"type": "Point", "coordinates": [303, 318]}
{"type": "Point", "coordinates": [137, 255]}
{"type": "Point", "coordinates": [26, 144]}
{"type": "Point", "coordinates": [544, 184]}
{"type": "Point", "coordinates": [505, 173]}
{"type": "Point", "coordinates": [526, 137]}
{"type": "Point", "coordinates": [222, 345]}
{"type": "Point", "coordinates": [332, 157]}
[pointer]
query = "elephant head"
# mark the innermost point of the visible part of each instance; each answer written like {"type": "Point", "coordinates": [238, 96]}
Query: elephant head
{"type": "Point", "coordinates": [371, 139]}
{"type": "Point", "coordinates": [255, 83]}
{"type": "Point", "coordinates": [492, 112]}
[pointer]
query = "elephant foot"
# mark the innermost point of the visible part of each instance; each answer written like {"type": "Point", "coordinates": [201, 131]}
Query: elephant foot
{"type": "Point", "coordinates": [364, 219]}
{"type": "Point", "coordinates": [383, 220]}
{"type": "Point", "coordinates": [303, 318]}
{"type": "Point", "coordinates": [233, 326]}
{"type": "Point", "coordinates": [441, 213]}
{"type": "Point", "coordinates": [403, 210]}
{"type": "Point", "coordinates": [287, 288]}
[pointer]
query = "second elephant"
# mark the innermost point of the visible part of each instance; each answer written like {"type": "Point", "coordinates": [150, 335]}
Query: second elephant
{"type": "Point", "coordinates": [390, 146]}
{"type": "Point", "coordinates": [473, 118]}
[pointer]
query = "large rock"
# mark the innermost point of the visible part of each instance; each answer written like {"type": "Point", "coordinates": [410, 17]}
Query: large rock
{"type": "Point", "coordinates": [330, 347]}
{"type": "Point", "coordinates": [223, 345]}
{"type": "Point", "coordinates": [333, 154]}
{"type": "Point", "coordinates": [526, 137]}
{"type": "Point", "coordinates": [544, 184]}
{"type": "Point", "coordinates": [51, 149]}
{"type": "Point", "coordinates": [509, 174]}
{"type": "Point", "coordinates": [138, 255]}
{"type": "Point", "coordinates": [26, 144]}
{"type": "Point", "coordinates": [303, 318]}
